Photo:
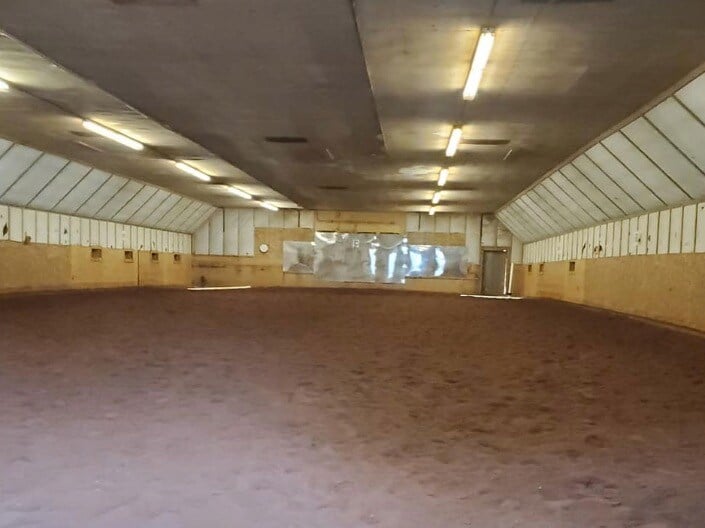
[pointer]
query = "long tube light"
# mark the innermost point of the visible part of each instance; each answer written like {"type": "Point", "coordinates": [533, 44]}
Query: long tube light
{"type": "Point", "coordinates": [432, 211]}
{"type": "Point", "coordinates": [4, 86]}
{"type": "Point", "coordinates": [442, 177]}
{"type": "Point", "coordinates": [240, 193]}
{"type": "Point", "coordinates": [193, 172]}
{"type": "Point", "coordinates": [479, 62]}
{"type": "Point", "coordinates": [111, 134]}
{"type": "Point", "coordinates": [454, 141]}
{"type": "Point", "coordinates": [436, 197]}
{"type": "Point", "coordinates": [269, 206]}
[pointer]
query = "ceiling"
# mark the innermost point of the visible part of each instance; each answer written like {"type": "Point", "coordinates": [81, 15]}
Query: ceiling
{"type": "Point", "coordinates": [374, 87]}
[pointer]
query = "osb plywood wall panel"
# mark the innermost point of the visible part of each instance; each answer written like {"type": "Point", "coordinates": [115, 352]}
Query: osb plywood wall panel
{"type": "Point", "coordinates": [667, 288]}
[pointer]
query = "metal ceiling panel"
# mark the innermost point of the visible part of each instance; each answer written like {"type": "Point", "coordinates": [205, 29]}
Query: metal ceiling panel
{"type": "Point", "coordinates": [646, 170]}
{"type": "Point", "coordinates": [33, 180]}
{"type": "Point", "coordinates": [537, 230]}
{"type": "Point", "coordinates": [59, 186]}
{"type": "Point", "coordinates": [83, 190]}
{"type": "Point", "coordinates": [591, 191]}
{"type": "Point", "coordinates": [533, 214]}
{"type": "Point", "coordinates": [149, 207]}
{"type": "Point", "coordinates": [622, 176]}
{"type": "Point", "coordinates": [612, 190]}
{"type": "Point", "coordinates": [131, 207]}
{"type": "Point", "coordinates": [119, 200]}
{"type": "Point", "coordinates": [560, 222]}
{"type": "Point", "coordinates": [561, 208]}
{"type": "Point", "coordinates": [681, 128]}
{"type": "Point", "coordinates": [162, 210]}
{"type": "Point", "coordinates": [181, 220]}
{"type": "Point", "coordinates": [692, 96]}
{"type": "Point", "coordinates": [174, 212]}
{"type": "Point", "coordinates": [667, 157]}
{"type": "Point", "coordinates": [578, 196]}
{"type": "Point", "coordinates": [14, 162]}
{"type": "Point", "coordinates": [201, 215]}
{"type": "Point", "coordinates": [101, 197]}
{"type": "Point", "coordinates": [572, 206]}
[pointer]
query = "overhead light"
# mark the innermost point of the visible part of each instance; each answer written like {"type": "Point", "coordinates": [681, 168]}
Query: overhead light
{"type": "Point", "coordinates": [269, 206]}
{"type": "Point", "coordinates": [479, 62]}
{"type": "Point", "coordinates": [111, 134]}
{"type": "Point", "coordinates": [442, 177]}
{"type": "Point", "coordinates": [436, 197]}
{"type": "Point", "coordinates": [193, 172]}
{"type": "Point", "coordinates": [241, 194]}
{"type": "Point", "coordinates": [4, 86]}
{"type": "Point", "coordinates": [432, 211]}
{"type": "Point", "coordinates": [454, 141]}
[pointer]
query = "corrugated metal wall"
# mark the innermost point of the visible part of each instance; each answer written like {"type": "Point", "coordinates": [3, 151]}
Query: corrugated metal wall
{"type": "Point", "coordinates": [43, 227]}
{"type": "Point", "coordinates": [36, 180]}
{"type": "Point", "coordinates": [654, 162]}
{"type": "Point", "coordinates": [232, 231]}
{"type": "Point", "coordinates": [676, 230]}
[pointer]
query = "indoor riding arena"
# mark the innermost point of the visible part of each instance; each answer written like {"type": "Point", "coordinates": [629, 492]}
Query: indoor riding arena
{"type": "Point", "coordinates": [392, 263]}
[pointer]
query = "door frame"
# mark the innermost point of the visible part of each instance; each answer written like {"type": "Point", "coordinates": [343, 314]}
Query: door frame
{"type": "Point", "coordinates": [507, 263]}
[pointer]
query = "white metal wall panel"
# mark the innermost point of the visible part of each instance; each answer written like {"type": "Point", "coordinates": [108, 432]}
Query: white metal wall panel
{"type": "Point", "coordinates": [457, 223]}
{"type": "Point", "coordinates": [664, 232]}
{"type": "Point", "coordinates": [42, 229]}
{"type": "Point", "coordinates": [29, 224]}
{"type": "Point", "coordinates": [231, 232]}
{"type": "Point", "coordinates": [99, 198]}
{"type": "Point", "coordinates": [617, 239]}
{"type": "Point", "coordinates": [276, 218]}
{"type": "Point", "coordinates": [676, 230]}
{"type": "Point", "coordinates": [85, 231]}
{"type": "Point", "coordinates": [645, 169]}
{"type": "Point", "coordinates": [427, 223]}
{"type": "Point", "coordinates": [33, 180]}
{"type": "Point", "coordinates": [102, 233]}
{"type": "Point", "coordinates": [624, 250]}
{"type": "Point", "coordinates": [652, 235]}
{"type": "Point", "coordinates": [504, 236]}
{"type": "Point", "coordinates": [171, 243]}
{"type": "Point", "coordinates": [155, 239]}
{"type": "Point", "coordinates": [111, 241]}
{"type": "Point", "coordinates": [489, 231]}
{"type": "Point", "coordinates": [609, 239]}
{"type": "Point", "coordinates": [688, 230]}
{"type": "Point", "coordinates": [666, 156]}
{"type": "Point", "coordinates": [306, 219]}
{"type": "Point", "coordinates": [15, 221]}
{"type": "Point", "coordinates": [291, 218]}
{"type": "Point", "coordinates": [601, 241]}
{"type": "Point", "coordinates": [66, 230]}
{"type": "Point", "coordinates": [93, 232]}
{"type": "Point", "coordinates": [246, 232]}
{"type": "Point", "coordinates": [472, 238]}
{"type": "Point", "coordinates": [642, 230]}
{"type": "Point", "coordinates": [619, 173]}
{"type": "Point", "coordinates": [681, 129]}
{"type": "Point", "coordinates": [59, 186]}
{"type": "Point", "coordinates": [54, 236]}
{"type": "Point", "coordinates": [14, 163]}
{"type": "Point", "coordinates": [4, 221]}
{"type": "Point", "coordinates": [215, 233]}
{"type": "Point", "coordinates": [442, 223]}
{"type": "Point", "coordinates": [261, 218]}
{"type": "Point", "coordinates": [699, 231]}
{"type": "Point", "coordinates": [134, 204]}
{"type": "Point", "coordinates": [83, 190]}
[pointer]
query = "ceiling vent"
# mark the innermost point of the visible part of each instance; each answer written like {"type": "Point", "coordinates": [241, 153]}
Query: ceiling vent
{"type": "Point", "coordinates": [286, 139]}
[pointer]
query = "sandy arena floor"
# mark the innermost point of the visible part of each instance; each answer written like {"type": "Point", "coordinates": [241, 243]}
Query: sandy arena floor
{"type": "Point", "coordinates": [336, 409]}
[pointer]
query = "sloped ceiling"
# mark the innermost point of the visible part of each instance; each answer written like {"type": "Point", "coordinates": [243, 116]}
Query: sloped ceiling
{"type": "Point", "coordinates": [654, 161]}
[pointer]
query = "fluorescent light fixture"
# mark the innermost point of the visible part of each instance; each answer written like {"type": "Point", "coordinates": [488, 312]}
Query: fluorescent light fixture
{"type": "Point", "coordinates": [432, 211]}
{"type": "Point", "coordinates": [241, 194]}
{"type": "Point", "coordinates": [217, 288]}
{"type": "Point", "coordinates": [436, 197]}
{"type": "Point", "coordinates": [479, 62]}
{"type": "Point", "coordinates": [111, 134]}
{"type": "Point", "coordinates": [442, 177]}
{"type": "Point", "coordinates": [193, 172]}
{"type": "Point", "coordinates": [454, 141]}
{"type": "Point", "coordinates": [269, 206]}
{"type": "Point", "coordinates": [4, 86]}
